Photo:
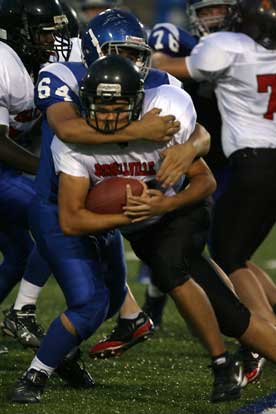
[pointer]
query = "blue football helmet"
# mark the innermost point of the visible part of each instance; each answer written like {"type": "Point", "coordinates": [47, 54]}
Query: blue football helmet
{"type": "Point", "coordinates": [202, 25]}
{"type": "Point", "coordinates": [116, 31]}
{"type": "Point", "coordinates": [89, 4]}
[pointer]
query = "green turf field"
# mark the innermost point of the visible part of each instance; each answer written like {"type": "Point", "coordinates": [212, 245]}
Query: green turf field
{"type": "Point", "coordinates": [167, 375]}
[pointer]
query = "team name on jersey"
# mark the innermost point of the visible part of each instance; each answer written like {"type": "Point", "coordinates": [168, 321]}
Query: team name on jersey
{"type": "Point", "coordinates": [135, 169]}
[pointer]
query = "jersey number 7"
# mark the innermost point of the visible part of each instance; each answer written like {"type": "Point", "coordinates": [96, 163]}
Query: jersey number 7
{"type": "Point", "coordinates": [267, 83]}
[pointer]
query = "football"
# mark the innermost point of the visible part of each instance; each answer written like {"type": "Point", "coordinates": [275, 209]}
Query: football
{"type": "Point", "coordinates": [109, 196]}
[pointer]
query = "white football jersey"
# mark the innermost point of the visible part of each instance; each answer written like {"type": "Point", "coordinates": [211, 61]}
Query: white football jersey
{"type": "Point", "coordinates": [137, 159]}
{"type": "Point", "coordinates": [75, 55]}
{"type": "Point", "coordinates": [17, 110]}
{"type": "Point", "coordinates": [244, 73]}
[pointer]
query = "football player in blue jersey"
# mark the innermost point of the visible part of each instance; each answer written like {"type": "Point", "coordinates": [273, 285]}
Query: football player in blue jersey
{"type": "Point", "coordinates": [114, 31]}
{"type": "Point", "coordinates": [58, 97]}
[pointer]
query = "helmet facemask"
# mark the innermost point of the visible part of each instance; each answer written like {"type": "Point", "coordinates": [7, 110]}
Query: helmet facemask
{"type": "Point", "coordinates": [108, 112]}
{"type": "Point", "coordinates": [139, 53]}
{"type": "Point", "coordinates": [203, 21]}
{"type": "Point", "coordinates": [50, 41]}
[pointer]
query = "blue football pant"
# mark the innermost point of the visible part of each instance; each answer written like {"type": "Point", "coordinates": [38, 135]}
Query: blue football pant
{"type": "Point", "coordinates": [90, 270]}
{"type": "Point", "coordinates": [16, 193]}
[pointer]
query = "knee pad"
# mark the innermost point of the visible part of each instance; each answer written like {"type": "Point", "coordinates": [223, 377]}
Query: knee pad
{"type": "Point", "coordinates": [230, 262]}
{"type": "Point", "coordinates": [168, 273]}
{"type": "Point", "coordinates": [88, 316]}
{"type": "Point", "coordinates": [234, 324]}
{"type": "Point", "coordinates": [233, 317]}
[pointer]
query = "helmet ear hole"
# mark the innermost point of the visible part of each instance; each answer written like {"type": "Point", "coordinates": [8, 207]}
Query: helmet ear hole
{"type": "Point", "coordinates": [113, 85]}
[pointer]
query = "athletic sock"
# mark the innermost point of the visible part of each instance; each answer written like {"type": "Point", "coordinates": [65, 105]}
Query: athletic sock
{"type": "Point", "coordinates": [220, 359]}
{"type": "Point", "coordinates": [154, 292]}
{"type": "Point", "coordinates": [131, 316]}
{"type": "Point", "coordinates": [27, 294]}
{"type": "Point", "coordinates": [39, 366]}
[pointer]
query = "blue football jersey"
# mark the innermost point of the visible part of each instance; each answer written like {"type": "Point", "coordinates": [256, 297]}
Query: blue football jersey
{"type": "Point", "coordinates": [60, 82]}
{"type": "Point", "coordinates": [172, 40]}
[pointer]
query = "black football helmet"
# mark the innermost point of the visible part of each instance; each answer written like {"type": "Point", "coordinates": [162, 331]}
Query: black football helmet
{"type": "Point", "coordinates": [112, 80]}
{"type": "Point", "coordinates": [73, 20]}
{"type": "Point", "coordinates": [25, 24]}
{"type": "Point", "coordinates": [257, 18]}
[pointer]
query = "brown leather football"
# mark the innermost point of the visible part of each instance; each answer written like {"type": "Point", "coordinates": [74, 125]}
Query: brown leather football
{"type": "Point", "coordinates": [109, 196]}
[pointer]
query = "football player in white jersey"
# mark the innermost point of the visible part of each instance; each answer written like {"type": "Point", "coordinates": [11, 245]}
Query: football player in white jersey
{"type": "Point", "coordinates": [206, 16]}
{"type": "Point", "coordinates": [166, 228]}
{"type": "Point", "coordinates": [79, 165]}
{"type": "Point", "coordinates": [27, 35]}
{"type": "Point", "coordinates": [242, 66]}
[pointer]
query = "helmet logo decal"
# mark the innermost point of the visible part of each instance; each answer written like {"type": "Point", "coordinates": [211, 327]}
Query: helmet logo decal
{"type": "Point", "coordinates": [60, 20]}
{"type": "Point", "coordinates": [133, 39]}
{"type": "Point", "coordinates": [108, 89]}
{"type": "Point", "coordinates": [96, 43]}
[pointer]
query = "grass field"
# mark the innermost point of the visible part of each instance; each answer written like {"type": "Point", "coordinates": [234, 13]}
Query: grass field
{"type": "Point", "coordinates": [167, 375]}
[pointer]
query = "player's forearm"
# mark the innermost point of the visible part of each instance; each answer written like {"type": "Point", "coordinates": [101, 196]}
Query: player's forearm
{"type": "Point", "coordinates": [176, 66]}
{"type": "Point", "coordinates": [201, 186]}
{"type": "Point", "coordinates": [79, 132]}
{"type": "Point", "coordinates": [84, 222]}
{"type": "Point", "coordinates": [200, 140]}
{"type": "Point", "coordinates": [16, 156]}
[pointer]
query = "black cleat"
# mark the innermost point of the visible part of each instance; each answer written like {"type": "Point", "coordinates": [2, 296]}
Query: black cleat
{"type": "Point", "coordinates": [73, 373]}
{"type": "Point", "coordinates": [29, 388]}
{"type": "Point", "coordinates": [228, 381]}
{"type": "Point", "coordinates": [127, 332]}
{"type": "Point", "coordinates": [22, 324]}
{"type": "Point", "coordinates": [154, 307]}
{"type": "Point", "coordinates": [252, 364]}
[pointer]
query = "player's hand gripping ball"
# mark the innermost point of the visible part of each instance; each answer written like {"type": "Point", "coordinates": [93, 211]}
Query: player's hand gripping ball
{"type": "Point", "coordinates": [109, 196]}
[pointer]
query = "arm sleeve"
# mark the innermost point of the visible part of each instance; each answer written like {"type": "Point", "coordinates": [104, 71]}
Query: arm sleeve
{"type": "Point", "coordinates": [176, 101]}
{"type": "Point", "coordinates": [51, 89]}
{"type": "Point", "coordinates": [66, 160]}
{"type": "Point", "coordinates": [4, 116]}
{"type": "Point", "coordinates": [209, 59]}
{"type": "Point", "coordinates": [4, 96]}
{"type": "Point", "coordinates": [171, 40]}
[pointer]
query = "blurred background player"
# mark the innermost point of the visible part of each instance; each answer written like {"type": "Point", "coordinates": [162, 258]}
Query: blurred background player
{"type": "Point", "coordinates": [90, 8]}
{"type": "Point", "coordinates": [247, 149]}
